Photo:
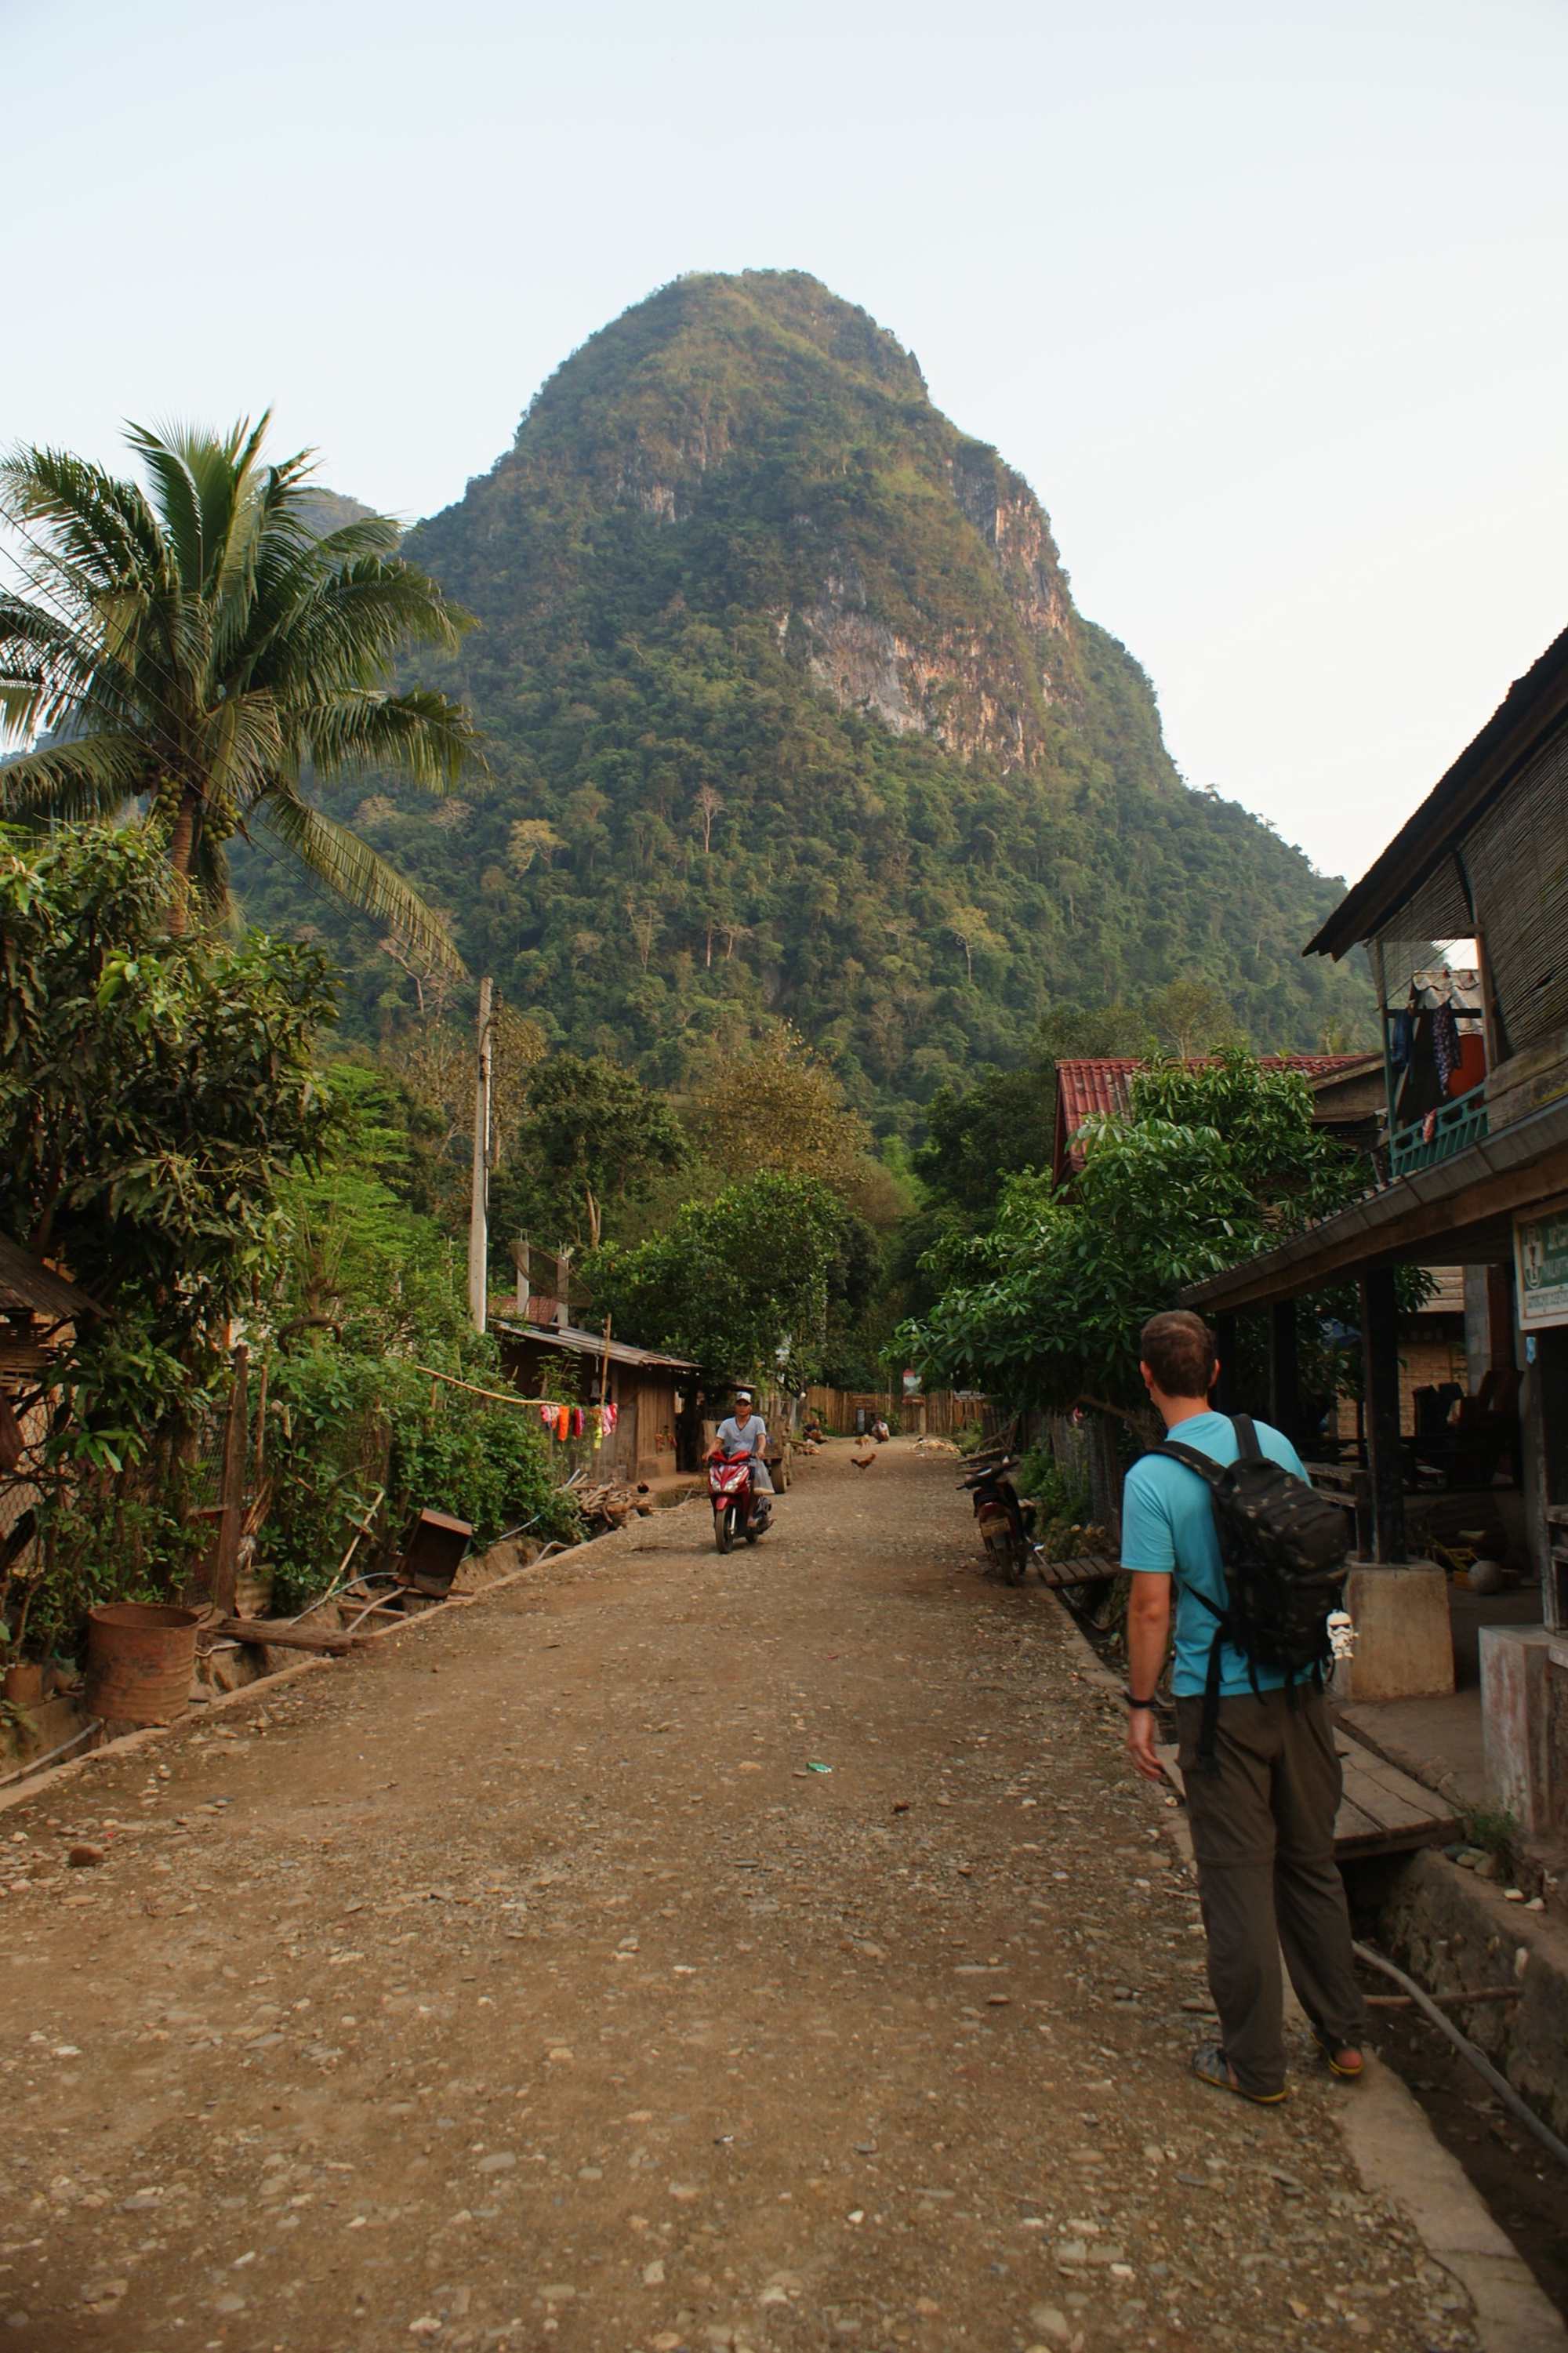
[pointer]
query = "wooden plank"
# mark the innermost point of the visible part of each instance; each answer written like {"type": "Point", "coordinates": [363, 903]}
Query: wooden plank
{"type": "Point", "coordinates": [1081, 1570]}
{"type": "Point", "coordinates": [285, 1638]}
{"type": "Point", "coordinates": [1395, 1813]}
{"type": "Point", "coordinates": [1382, 1812]}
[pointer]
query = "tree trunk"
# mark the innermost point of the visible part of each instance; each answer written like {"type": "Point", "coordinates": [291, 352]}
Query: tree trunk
{"type": "Point", "coordinates": [181, 850]}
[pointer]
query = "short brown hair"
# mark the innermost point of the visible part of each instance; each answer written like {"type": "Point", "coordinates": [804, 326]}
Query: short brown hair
{"type": "Point", "coordinates": [1179, 1349]}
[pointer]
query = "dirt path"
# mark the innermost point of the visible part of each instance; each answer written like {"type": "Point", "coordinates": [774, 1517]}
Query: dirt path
{"type": "Point", "coordinates": [521, 1984]}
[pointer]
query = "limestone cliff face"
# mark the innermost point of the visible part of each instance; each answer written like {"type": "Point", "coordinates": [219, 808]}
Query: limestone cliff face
{"type": "Point", "coordinates": [788, 669]}
{"type": "Point", "coordinates": [976, 690]}
{"type": "Point", "coordinates": [775, 432]}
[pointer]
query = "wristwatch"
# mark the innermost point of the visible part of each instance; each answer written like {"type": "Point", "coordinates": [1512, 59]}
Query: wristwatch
{"type": "Point", "coordinates": [1136, 1705]}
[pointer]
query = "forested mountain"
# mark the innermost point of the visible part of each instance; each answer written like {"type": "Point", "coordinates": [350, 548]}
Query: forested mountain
{"type": "Point", "coordinates": [790, 715]}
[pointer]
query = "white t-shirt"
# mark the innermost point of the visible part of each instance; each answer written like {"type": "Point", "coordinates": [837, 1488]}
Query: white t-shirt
{"type": "Point", "coordinates": [733, 1440]}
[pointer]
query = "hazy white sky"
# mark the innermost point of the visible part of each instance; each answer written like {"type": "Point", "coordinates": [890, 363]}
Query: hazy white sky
{"type": "Point", "coordinates": [1265, 299]}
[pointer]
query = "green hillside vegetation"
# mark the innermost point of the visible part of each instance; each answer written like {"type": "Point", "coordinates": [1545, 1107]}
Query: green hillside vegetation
{"type": "Point", "coordinates": [734, 543]}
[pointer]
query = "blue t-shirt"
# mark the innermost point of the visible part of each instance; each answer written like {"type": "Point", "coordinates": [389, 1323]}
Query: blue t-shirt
{"type": "Point", "coordinates": [1167, 1529]}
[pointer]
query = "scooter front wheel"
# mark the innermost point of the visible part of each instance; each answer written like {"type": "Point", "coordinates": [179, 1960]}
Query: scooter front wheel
{"type": "Point", "coordinates": [723, 1534]}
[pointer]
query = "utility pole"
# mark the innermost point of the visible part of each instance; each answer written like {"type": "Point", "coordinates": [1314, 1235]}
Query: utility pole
{"type": "Point", "coordinates": [478, 1202]}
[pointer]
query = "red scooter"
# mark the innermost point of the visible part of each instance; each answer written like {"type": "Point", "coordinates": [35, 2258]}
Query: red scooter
{"type": "Point", "coordinates": [738, 1509]}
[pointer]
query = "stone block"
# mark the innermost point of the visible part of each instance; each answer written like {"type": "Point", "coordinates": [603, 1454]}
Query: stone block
{"type": "Point", "coordinates": [1517, 1674]}
{"type": "Point", "coordinates": [1405, 1645]}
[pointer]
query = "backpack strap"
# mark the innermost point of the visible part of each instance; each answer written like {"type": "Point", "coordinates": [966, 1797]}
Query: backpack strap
{"type": "Point", "coordinates": [1213, 1475]}
{"type": "Point", "coordinates": [1211, 1472]}
{"type": "Point", "coordinates": [1246, 1430]}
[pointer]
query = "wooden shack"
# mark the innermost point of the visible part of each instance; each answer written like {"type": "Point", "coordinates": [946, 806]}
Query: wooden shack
{"type": "Point", "coordinates": [653, 1397]}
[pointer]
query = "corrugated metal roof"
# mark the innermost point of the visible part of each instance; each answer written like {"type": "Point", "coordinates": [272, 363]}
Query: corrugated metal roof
{"type": "Point", "coordinates": [578, 1343]}
{"type": "Point", "coordinates": [27, 1286]}
{"type": "Point", "coordinates": [1088, 1087]}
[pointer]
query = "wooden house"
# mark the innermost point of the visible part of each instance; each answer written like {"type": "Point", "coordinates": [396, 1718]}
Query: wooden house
{"type": "Point", "coordinates": [652, 1397]}
{"type": "Point", "coordinates": [1477, 1171]}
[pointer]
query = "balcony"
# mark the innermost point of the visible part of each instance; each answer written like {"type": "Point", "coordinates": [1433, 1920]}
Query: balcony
{"type": "Point", "coordinates": [1452, 1128]}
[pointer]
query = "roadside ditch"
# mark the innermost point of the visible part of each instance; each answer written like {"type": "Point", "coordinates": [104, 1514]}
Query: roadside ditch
{"type": "Point", "coordinates": [1451, 1930]}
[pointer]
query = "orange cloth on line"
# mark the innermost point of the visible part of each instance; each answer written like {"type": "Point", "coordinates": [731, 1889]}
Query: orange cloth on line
{"type": "Point", "coordinates": [1471, 1066]}
{"type": "Point", "coordinates": [564, 1421]}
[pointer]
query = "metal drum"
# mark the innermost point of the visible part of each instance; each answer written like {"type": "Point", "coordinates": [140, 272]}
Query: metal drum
{"type": "Point", "coordinates": [140, 1656]}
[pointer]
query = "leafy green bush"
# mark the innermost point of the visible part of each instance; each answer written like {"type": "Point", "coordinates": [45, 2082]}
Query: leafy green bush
{"type": "Point", "coordinates": [154, 1091]}
{"type": "Point", "coordinates": [344, 1424]}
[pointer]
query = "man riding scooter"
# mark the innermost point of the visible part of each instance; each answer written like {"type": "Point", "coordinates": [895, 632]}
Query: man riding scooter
{"type": "Point", "coordinates": [744, 1433]}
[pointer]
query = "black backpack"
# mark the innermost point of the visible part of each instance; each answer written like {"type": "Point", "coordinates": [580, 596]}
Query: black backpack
{"type": "Point", "coordinates": [1284, 1548]}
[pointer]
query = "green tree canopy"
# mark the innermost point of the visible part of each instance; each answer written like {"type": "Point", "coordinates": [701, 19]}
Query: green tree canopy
{"type": "Point", "coordinates": [155, 1094]}
{"type": "Point", "coordinates": [1207, 1165]}
{"type": "Point", "coordinates": [778, 1107]}
{"type": "Point", "coordinates": [743, 1285]}
{"type": "Point", "coordinates": [198, 646]}
{"type": "Point", "coordinates": [592, 1135]}
{"type": "Point", "coordinates": [153, 1091]}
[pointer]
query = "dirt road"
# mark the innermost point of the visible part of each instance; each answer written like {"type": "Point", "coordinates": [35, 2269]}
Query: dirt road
{"type": "Point", "coordinates": [525, 1984]}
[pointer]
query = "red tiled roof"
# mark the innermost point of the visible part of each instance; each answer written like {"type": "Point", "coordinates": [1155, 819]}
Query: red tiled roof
{"type": "Point", "coordinates": [1087, 1088]}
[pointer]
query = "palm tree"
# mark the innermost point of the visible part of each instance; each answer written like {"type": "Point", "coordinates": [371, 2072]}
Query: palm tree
{"type": "Point", "coordinates": [197, 649]}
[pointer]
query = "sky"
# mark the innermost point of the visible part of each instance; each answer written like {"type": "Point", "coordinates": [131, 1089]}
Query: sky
{"type": "Point", "coordinates": [1266, 300]}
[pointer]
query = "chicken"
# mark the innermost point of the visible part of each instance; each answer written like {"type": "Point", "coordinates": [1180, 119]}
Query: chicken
{"type": "Point", "coordinates": [862, 1461]}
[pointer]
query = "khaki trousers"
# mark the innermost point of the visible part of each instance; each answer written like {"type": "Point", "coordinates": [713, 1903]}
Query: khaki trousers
{"type": "Point", "coordinates": [1263, 1834]}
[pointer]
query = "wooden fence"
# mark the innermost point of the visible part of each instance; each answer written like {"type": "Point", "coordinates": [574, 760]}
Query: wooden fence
{"type": "Point", "coordinates": [938, 1413]}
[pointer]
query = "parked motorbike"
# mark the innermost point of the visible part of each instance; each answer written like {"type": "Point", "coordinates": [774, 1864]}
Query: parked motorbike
{"type": "Point", "coordinates": [1006, 1525]}
{"type": "Point", "coordinates": [738, 1509]}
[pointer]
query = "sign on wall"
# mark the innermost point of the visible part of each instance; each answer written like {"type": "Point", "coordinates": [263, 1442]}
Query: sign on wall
{"type": "Point", "coordinates": [1540, 1264]}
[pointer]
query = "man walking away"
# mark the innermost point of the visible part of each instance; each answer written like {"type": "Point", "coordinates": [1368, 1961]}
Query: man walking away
{"type": "Point", "coordinates": [1262, 1808]}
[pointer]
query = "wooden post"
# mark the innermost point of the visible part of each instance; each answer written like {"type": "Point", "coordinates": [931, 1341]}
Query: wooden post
{"type": "Point", "coordinates": [231, 1512]}
{"type": "Point", "coordinates": [1284, 1371]}
{"type": "Point", "coordinates": [1380, 1382]}
{"type": "Point", "coordinates": [478, 1198]}
{"type": "Point", "coordinates": [1544, 1419]}
{"type": "Point", "coordinates": [1224, 1398]}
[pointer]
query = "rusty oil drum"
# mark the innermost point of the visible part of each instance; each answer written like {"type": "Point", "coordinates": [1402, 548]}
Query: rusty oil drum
{"type": "Point", "coordinates": [140, 1656]}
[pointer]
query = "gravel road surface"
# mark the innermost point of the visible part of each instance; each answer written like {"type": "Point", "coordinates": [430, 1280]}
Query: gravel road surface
{"type": "Point", "coordinates": [527, 1982]}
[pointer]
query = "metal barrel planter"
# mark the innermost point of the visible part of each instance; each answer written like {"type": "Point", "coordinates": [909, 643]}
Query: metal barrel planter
{"type": "Point", "coordinates": [140, 1656]}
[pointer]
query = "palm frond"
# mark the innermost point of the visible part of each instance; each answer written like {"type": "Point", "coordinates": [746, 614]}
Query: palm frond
{"type": "Point", "coordinates": [372, 535]}
{"type": "Point", "coordinates": [243, 751]}
{"type": "Point", "coordinates": [346, 630]}
{"type": "Point", "coordinates": [177, 501]}
{"type": "Point", "coordinates": [92, 778]}
{"type": "Point", "coordinates": [355, 873]}
{"type": "Point", "coordinates": [45, 667]}
{"type": "Point", "coordinates": [433, 741]}
{"type": "Point", "coordinates": [101, 532]}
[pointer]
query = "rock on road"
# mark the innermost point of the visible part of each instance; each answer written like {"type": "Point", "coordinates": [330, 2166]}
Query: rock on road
{"type": "Point", "coordinates": [521, 1984]}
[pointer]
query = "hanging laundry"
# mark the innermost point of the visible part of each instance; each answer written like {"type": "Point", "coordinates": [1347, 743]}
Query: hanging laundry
{"type": "Point", "coordinates": [612, 1414]}
{"type": "Point", "coordinates": [1401, 1039]}
{"type": "Point", "coordinates": [547, 1417]}
{"type": "Point", "coordinates": [1445, 1044]}
{"type": "Point", "coordinates": [578, 1423]}
{"type": "Point", "coordinates": [1472, 1065]}
{"type": "Point", "coordinates": [563, 1422]}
